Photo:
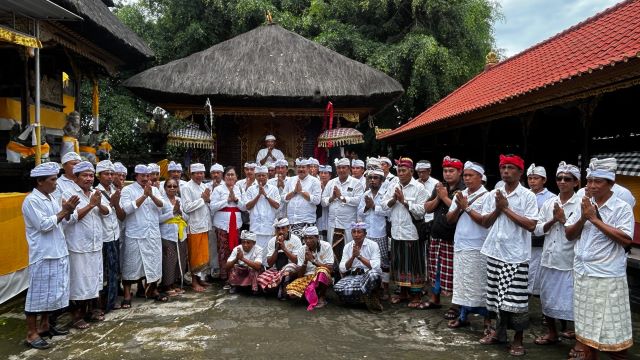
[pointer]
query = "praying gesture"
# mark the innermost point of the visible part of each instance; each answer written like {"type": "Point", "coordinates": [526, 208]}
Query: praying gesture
{"type": "Point", "coordinates": [115, 198]}
{"type": "Point", "coordinates": [281, 178]}
{"type": "Point", "coordinates": [398, 195]}
{"type": "Point", "coordinates": [558, 214]}
{"type": "Point", "coordinates": [441, 191]}
{"type": "Point", "coordinates": [461, 201]}
{"type": "Point", "coordinates": [148, 191]}
{"type": "Point", "coordinates": [368, 203]}
{"type": "Point", "coordinates": [176, 207]}
{"type": "Point", "coordinates": [261, 191]}
{"type": "Point", "coordinates": [232, 196]}
{"type": "Point", "coordinates": [95, 198]}
{"type": "Point", "coordinates": [298, 188]}
{"type": "Point", "coordinates": [501, 201]}
{"type": "Point", "coordinates": [589, 210]}
{"type": "Point", "coordinates": [70, 204]}
{"type": "Point", "coordinates": [206, 195]}
{"type": "Point", "coordinates": [336, 192]}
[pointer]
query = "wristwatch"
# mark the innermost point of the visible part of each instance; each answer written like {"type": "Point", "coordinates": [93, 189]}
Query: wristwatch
{"type": "Point", "coordinates": [342, 198]}
{"type": "Point", "coordinates": [467, 210]}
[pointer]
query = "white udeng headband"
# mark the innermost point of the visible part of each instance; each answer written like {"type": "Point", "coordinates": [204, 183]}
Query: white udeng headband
{"type": "Point", "coordinates": [473, 166]}
{"type": "Point", "coordinates": [536, 170]}
{"type": "Point", "coordinates": [563, 167]}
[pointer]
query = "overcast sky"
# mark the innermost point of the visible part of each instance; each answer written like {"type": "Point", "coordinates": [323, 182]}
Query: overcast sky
{"type": "Point", "coordinates": [528, 22]}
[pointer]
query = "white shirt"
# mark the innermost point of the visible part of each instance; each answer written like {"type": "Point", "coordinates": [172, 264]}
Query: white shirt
{"type": "Point", "coordinates": [542, 196]}
{"type": "Point", "coordinates": [242, 185]}
{"type": "Point", "coordinates": [144, 221]}
{"type": "Point", "coordinates": [375, 217]}
{"type": "Point", "coordinates": [401, 218]}
{"type": "Point", "coordinates": [369, 251]}
{"type": "Point", "coordinates": [63, 184]}
{"type": "Point", "coordinates": [429, 185]}
{"type": "Point", "coordinates": [596, 254]}
{"type": "Point", "coordinates": [322, 255]}
{"type": "Point", "coordinates": [282, 210]}
{"type": "Point", "coordinates": [44, 234]}
{"type": "Point", "coordinates": [470, 235]}
{"type": "Point", "coordinates": [276, 155]}
{"type": "Point", "coordinates": [195, 207]}
{"type": "Point", "coordinates": [390, 181]}
{"type": "Point", "coordinates": [557, 251]}
{"type": "Point", "coordinates": [110, 225]}
{"type": "Point", "coordinates": [507, 241]}
{"type": "Point", "coordinates": [262, 214]}
{"type": "Point", "coordinates": [300, 210]}
{"type": "Point", "coordinates": [169, 231]}
{"type": "Point", "coordinates": [293, 244]}
{"type": "Point", "coordinates": [84, 235]}
{"type": "Point", "coordinates": [342, 214]}
{"type": "Point", "coordinates": [219, 201]}
{"type": "Point", "coordinates": [618, 190]}
{"type": "Point", "coordinates": [255, 254]}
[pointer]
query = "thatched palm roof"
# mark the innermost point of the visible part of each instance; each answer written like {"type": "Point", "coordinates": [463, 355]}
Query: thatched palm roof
{"type": "Point", "coordinates": [103, 27]}
{"type": "Point", "coordinates": [267, 66]}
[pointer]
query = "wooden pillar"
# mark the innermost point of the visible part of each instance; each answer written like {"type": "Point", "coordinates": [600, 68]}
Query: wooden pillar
{"type": "Point", "coordinates": [25, 94]}
{"type": "Point", "coordinates": [586, 109]}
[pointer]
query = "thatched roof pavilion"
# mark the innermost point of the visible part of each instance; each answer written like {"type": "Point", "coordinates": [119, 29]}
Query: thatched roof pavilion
{"type": "Point", "coordinates": [268, 80]}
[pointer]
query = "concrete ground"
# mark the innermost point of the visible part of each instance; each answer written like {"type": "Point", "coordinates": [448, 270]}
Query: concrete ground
{"type": "Point", "coordinates": [215, 324]}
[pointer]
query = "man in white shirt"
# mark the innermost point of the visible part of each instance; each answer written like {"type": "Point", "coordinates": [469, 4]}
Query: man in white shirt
{"type": "Point", "coordinates": [67, 179]}
{"type": "Point", "coordinates": [302, 194]}
{"type": "Point", "coordinates": [371, 212]}
{"type": "Point", "coordinates": [602, 228]}
{"type": "Point", "coordinates": [405, 203]}
{"type": "Point", "coordinates": [271, 170]}
{"type": "Point", "coordinates": [154, 176]}
{"type": "Point", "coordinates": [142, 245]}
{"type": "Point", "coordinates": [342, 196]}
{"type": "Point", "coordinates": [279, 181]}
{"type": "Point", "coordinates": [175, 172]}
{"type": "Point", "coordinates": [262, 202]}
{"type": "Point", "coordinates": [423, 168]}
{"type": "Point", "coordinates": [282, 259]}
{"type": "Point", "coordinates": [110, 234]}
{"type": "Point", "coordinates": [357, 171]}
{"type": "Point", "coordinates": [119, 176]}
{"type": "Point", "coordinates": [216, 172]}
{"type": "Point", "coordinates": [360, 269]}
{"type": "Point", "coordinates": [536, 179]}
{"type": "Point", "coordinates": [315, 265]}
{"type": "Point", "coordinates": [48, 254]}
{"type": "Point", "coordinates": [245, 263]}
{"type": "Point", "coordinates": [269, 153]}
{"type": "Point", "coordinates": [314, 167]}
{"type": "Point", "coordinates": [511, 214]}
{"type": "Point", "coordinates": [83, 233]}
{"type": "Point", "coordinates": [196, 197]}
{"type": "Point", "coordinates": [322, 212]}
{"type": "Point", "coordinates": [244, 185]}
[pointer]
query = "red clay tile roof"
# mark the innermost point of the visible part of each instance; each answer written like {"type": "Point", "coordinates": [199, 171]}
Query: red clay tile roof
{"type": "Point", "coordinates": [608, 38]}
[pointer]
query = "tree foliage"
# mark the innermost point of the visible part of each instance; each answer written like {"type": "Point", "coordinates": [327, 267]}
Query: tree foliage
{"type": "Point", "coordinates": [429, 46]}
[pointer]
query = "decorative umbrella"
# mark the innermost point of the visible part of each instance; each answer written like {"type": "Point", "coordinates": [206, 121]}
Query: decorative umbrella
{"type": "Point", "coordinates": [190, 137]}
{"type": "Point", "coordinates": [340, 137]}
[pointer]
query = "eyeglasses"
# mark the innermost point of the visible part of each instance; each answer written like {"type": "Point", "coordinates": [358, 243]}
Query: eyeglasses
{"type": "Point", "coordinates": [171, 186]}
{"type": "Point", "coordinates": [564, 178]}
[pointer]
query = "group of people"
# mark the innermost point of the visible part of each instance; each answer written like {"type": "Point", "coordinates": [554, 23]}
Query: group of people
{"type": "Point", "coordinates": [298, 236]}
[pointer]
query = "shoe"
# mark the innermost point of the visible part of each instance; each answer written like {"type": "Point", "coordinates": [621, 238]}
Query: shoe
{"type": "Point", "coordinates": [38, 343]}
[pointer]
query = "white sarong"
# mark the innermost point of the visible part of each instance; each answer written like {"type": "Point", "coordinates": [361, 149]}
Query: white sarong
{"type": "Point", "coordinates": [469, 278]}
{"type": "Point", "coordinates": [556, 293]}
{"type": "Point", "coordinates": [48, 285]}
{"type": "Point", "coordinates": [534, 271]}
{"type": "Point", "coordinates": [141, 258]}
{"type": "Point", "coordinates": [85, 274]}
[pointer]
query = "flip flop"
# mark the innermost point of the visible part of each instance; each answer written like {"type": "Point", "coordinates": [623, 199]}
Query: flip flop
{"type": "Point", "coordinates": [396, 299]}
{"type": "Point", "coordinates": [568, 334]}
{"type": "Point", "coordinates": [161, 297]}
{"type": "Point", "coordinates": [542, 340]}
{"type": "Point", "coordinates": [81, 325]}
{"type": "Point", "coordinates": [414, 304]}
{"type": "Point", "coordinates": [454, 324]}
{"type": "Point", "coordinates": [451, 314]}
{"type": "Point", "coordinates": [490, 339]}
{"type": "Point", "coordinates": [125, 304]}
{"type": "Point", "coordinates": [517, 350]}
{"type": "Point", "coordinates": [428, 305]}
{"type": "Point", "coordinates": [38, 343]}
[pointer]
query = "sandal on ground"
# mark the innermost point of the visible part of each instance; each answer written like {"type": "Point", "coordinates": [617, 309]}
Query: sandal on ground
{"type": "Point", "coordinates": [38, 343]}
{"type": "Point", "coordinates": [517, 350]}
{"type": "Point", "coordinates": [490, 339]}
{"type": "Point", "coordinates": [397, 299]}
{"type": "Point", "coordinates": [543, 340]}
{"type": "Point", "coordinates": [576, 354]}
{"type": "Point", "coordinates": [454, 324]}
{"type": "Point", "coordinates": [96, 315]}
{"type": "Point", "coordinates": [321, 304]}
{"type": "Point", "coordinates": [428, 305]}
{"type": "Point", "coordinates": [414, 304]}
{"type": "Point", "coordinates": [161, 297]}
{"type": "Point", "coordinates": [569, 334]}
{"type": "Point", "coordinates": [173, 292]}
{"type": "Point", "coordinates": [452, 314]}
{"type": "Point", "coordinates": [125, 304]}
{"type": "Point", "coordinates": [488, 330]}
{"type": "Point", "coordinates": [81, 325]}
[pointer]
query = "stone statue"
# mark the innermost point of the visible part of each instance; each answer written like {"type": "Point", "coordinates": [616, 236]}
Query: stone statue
{"type": "Point", "coordinates": [71, 131]}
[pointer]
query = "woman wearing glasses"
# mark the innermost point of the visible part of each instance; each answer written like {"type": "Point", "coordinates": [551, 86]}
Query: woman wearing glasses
{"type": "Point", "coordinates": [173, 231]}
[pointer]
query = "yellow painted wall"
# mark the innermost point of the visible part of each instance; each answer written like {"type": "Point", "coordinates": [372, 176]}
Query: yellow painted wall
{"type": "Point", "coordinates": [11, 109]}
{"type": "Point", "coordinates": [14, 250]}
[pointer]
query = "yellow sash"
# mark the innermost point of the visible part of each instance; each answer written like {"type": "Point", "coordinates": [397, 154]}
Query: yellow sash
{"type": "Point", "coordinates": [182, 226]}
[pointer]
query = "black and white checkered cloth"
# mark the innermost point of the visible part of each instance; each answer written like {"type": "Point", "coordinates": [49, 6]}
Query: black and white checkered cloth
{"type": "Point", "coordinates": [628, 162]}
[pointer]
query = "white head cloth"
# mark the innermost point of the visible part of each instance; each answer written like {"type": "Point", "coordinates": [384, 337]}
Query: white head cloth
{"type": "Point", "coordinates": [119, 168]}
{"type": "Point", "coordinates": [376, 171]}
{"type": "Point", "coordinates": [46, 169]}
{"type": "Point", "coordinates": [216, 167]}
{"type": "Point", "coordinates": [310, 231]}
{"type": "Point", "coordinates": [325, 168]}
{"type": "Point", "coordinates": [154, 168]}
{"type": "Point", "coordinates": [250, 165]}
{"type": "Point", "coordinates": [269, 137]}
{"type": "Point", "coordinates": [423, 165]}
{"type": "Point", "coordinates": [536, 170]}
{"type": "Point", "coordinates": [70, 156]}
{"type": "Point", "coordinates": [270, 166]}
{"type": "Point", "coordinates": [105, 165]}
{"type": "Point", "coordinates": [281, 222]}
{"type": "Point", "coordinates": [174, 167]}
{"type": "Point", "coordinates": [474, 166]}
{"type": "Point", "coordinates": [197, 167]}
{"type": "Point", "coordinates": [302, 162]}
{"type": "Point", "coordinates": [357, 163]}
{"type": "Point", "coordinates": [83, 166]}
{"type": "Point", "coordinates": [262, 170]}
{"type": "Point", "coordinates": [142, 169]}
{"type": "Point", "coordinates": [484, 178]}
{"type": "Point", "coordinates": [602, 168]}
{"type": "Point", "coordinates": [314, 161]}
{"type": "Point", "coordinates": [248, 235]}
{"type": "Point", "coordinates": [281, 162]}
{"type": "Point", "coordinates": [359, 225]}
{"type": "Point", "coordinates": [341, 162]}
{"type": "Point", "coordinates": [563, 167]}
{"type": "Point", "coordinates": [385, 159]}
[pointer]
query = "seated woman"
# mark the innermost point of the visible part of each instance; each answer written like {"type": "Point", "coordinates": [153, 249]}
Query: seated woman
{"type": "Point", "coordinates": [244, 263]}
{"type": "Point", "coordinates": [282, 258]}
{"type": "Point", "coordinates": [315, 261]}
{"type": "Point", "coordinates": [360, 269]}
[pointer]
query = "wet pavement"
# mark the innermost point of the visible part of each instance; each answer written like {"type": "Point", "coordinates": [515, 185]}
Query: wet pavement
{"type": "Point", "coordinates": [215, 324]}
